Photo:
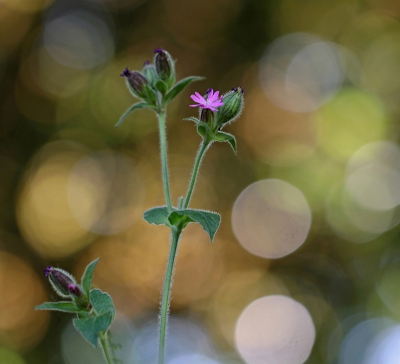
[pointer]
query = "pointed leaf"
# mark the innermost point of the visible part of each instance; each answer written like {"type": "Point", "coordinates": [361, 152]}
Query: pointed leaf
{"type": "Point", "coordinates": [192, 118]}
{"type": "Point", "coordinates": [90, 328]}
{"type": "Point", "coordinates": [221, 136]}
{"type": "Point", "coordinates": [88, 276]}
{"type": "Point", "coordinates": [208, 220]}
{"type": "Point", "coordinates": [157, 215]}
{"type": "Point", "coordinates": [102, 302]}
{"type": "Point", "coordinates": [179, 87]}
{"type": "Point", "coordinates": [59, 306]}
{"type": "Point", "coordinates": [137, 106]}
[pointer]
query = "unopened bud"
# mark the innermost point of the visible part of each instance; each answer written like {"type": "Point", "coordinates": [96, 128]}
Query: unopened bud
{"type": "Point", "coordinates": [164, 66]}
{"type": "Point", "coordinates": [232, 108]}
{"type": "Point", "coordinates": [207, 116]}
{"type": "Point", "coordinates": [136, 82]}
{"type": "Point", "coordinates": [60, 280]}
{"type": "Point", "coordinates": [149, 71]}
{"type": "Point", "coordinates": [75, 290]}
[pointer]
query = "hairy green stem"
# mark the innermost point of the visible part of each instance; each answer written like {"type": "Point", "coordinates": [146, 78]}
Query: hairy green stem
{"type": "Point", "coordinates": [106, 348]}
{"type": "Point", "coordinates": [199, 157]}
{"type": "Point", "coordinates": [166, 295]}
{"type": "Point", "coordinates": [164, 160]}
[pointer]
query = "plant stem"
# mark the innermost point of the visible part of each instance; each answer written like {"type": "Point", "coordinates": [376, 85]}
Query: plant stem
{"type": "Point", "coordinates": [164, 160]}
{"type": "Point", "coordinates": [199, 157]}
{"type": "Point", "coordinates": [105, 347]}
{"type": "Point", "coordinates": [164, 309]}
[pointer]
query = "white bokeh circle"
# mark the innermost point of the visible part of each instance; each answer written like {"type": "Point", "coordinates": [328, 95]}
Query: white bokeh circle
{"type": "Point", "coordinates": [275, 329]}
{"type": "Point", "coordinates": [271, 218]}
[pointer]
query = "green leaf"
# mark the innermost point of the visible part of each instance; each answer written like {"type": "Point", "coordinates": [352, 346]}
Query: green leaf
{"type": "Point", "coordinates": [59, 306]}
{"type": "Point", "coordinates": [208, 220]}
{"type": "Point", "coordinates": [91, 328]}
{"type": "Point", "coordinates": [102, 302]}
{"type": "Point", "coordinates": [192, 118]}
{"type": "Point", "coordinates": [221, 136]}
{"type": "Point", "coordinates": [161, 86]}
{"type": "Point", "coordinates": [157, 215]}
{"type": "Point", "coordinates": [179, 87]}
{"type": "Point", "coordinates": [88, 276]}
{"type": "Point", "coordinates": [137, 106]}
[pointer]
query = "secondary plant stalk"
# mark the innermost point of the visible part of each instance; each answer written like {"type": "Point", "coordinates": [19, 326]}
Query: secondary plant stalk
{"type": "Point", "coordinates": [199, 157]}
{"type": "Point", "coordinates": [166, 295]}
{"type": "Point", "coordinates": [105, 346]}
{"type": "Point", "coordinates": [164, 160]}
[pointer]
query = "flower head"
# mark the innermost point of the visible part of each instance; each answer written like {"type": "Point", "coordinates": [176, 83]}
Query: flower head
{"type": "Point", "coordinates": [212, 101]}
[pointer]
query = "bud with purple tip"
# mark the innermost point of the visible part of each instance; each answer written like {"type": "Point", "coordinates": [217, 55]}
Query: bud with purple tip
{"type": "Point", "coordinates": [136, 83]}
{"type": "Point", "coordinates": [60, 280]}
{"type": "Point", "coordinates": [164, 66]}
{"type": "Point", "coordinates": [232, 107]}
{"type": "Point", "coordinates": [75, 290]}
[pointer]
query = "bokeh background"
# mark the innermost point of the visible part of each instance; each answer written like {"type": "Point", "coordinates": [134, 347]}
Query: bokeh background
{"type": "Point", "coordinates": [306, 265]}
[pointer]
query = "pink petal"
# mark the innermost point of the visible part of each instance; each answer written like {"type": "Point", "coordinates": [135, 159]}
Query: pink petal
{"type": "Point", "coordinates": [199, 96]}
{"type": "Point", "coordinates": [214, 96]}
{"type": "Point", "coordinates": [197, 99]}
{"type": "Point", "coordinates": [194, 105]}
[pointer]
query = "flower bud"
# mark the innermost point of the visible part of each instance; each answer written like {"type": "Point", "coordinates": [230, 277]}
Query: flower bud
{"type": "Point", "coordinates": [207, 116]}
{"type": "Point", "coordinates": [60, 280]}
{"type": "Point", "coordinates": [75, 290]}
{"type": "Point", "coordinates": [232, 108]}
{"type": "Point", "coordinates": [136, 83]}
{"type": "Point", "coordinates": [149, 71]}
{"type": "Point", "coordinates": [164, 66]}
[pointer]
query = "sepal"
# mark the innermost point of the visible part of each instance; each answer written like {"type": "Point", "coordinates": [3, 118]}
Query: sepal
{"type": "Point", "coordinates": [161, 86]}
{"type": "Point", "coordinates": [221, 136]}
{"type": "Point", "coordinates": [204, 130]}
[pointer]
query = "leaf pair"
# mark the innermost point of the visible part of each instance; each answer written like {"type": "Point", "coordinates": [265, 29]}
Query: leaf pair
{"type": "Point", "coordinates": [180, 218]}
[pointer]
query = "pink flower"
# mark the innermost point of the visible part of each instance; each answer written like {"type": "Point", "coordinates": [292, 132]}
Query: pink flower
{"type": "Point", "coordinates": [212, 101]}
